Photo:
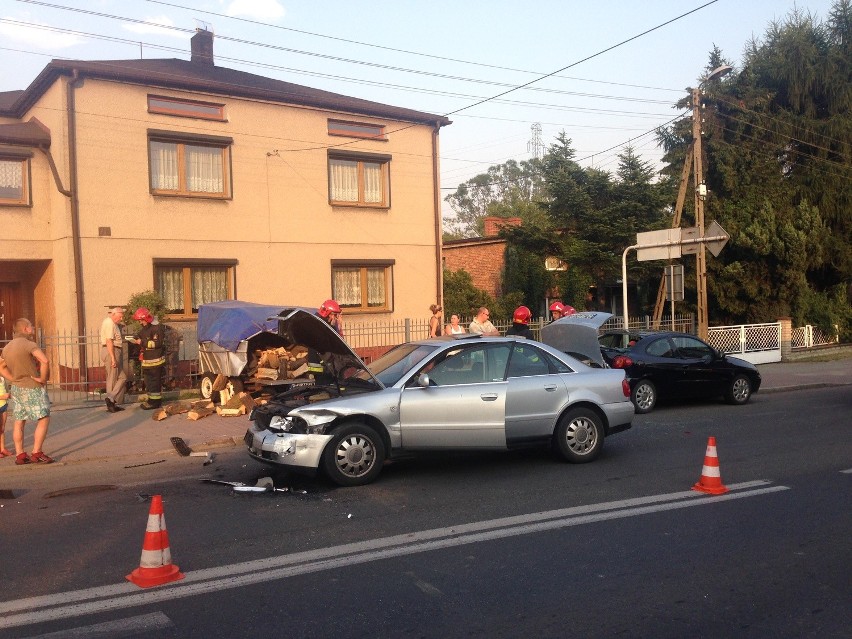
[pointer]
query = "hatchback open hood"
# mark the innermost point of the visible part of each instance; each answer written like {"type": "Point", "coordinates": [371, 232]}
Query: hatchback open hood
{"type": "Point", "coordinates": [577, 333]}
{"type": "Point", "coordinates": [303, 327]}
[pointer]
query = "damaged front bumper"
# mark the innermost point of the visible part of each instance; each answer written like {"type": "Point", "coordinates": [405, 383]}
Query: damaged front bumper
{"type": "Point", "coordinates": [294, 450]}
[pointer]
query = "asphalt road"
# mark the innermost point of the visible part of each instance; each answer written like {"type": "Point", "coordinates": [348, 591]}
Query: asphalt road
{"type": "Point", "coordinates": [497, 545]}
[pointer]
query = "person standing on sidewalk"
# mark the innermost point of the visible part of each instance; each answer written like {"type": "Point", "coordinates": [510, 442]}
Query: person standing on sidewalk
{"type": "Point", "coordinates": [152, 338]}
{"type": "Point", "coordinates": [112, 356]}
{"type": "Point", "coordinates": [4, 406]}
{"type": "Point", "coordinates": [29, 396]}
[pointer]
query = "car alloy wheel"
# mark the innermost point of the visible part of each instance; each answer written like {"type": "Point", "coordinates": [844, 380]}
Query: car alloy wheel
{"type": "Point", "coordinates": [580, 435]}
{"type": "Point", "coordinates": [354, 456]}
{"type": "Point", "coordinates": [740, 390]}
{"type": "Point", "coordinates": [644, 396]}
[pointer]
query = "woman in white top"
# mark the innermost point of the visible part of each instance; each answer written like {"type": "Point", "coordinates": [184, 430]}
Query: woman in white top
{"type": "Point", "coordinates": [453, 328]}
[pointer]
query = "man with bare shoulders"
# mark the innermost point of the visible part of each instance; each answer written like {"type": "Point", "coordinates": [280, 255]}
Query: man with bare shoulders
{"type": "Point", "coordinates": [20, 358]}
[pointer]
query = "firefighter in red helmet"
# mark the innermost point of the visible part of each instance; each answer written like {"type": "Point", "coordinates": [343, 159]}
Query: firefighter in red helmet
{"type": "Point", "coordinates": [329, 310]}
{"type": "Point", "coordinates": [520, 323]}
{"type": "Point", "coordinates": [558, 309]}
{"type": "Point", "coordinates": [152, 338]}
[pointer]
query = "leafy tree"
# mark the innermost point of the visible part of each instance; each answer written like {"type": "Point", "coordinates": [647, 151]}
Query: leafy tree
{"type": "Point", "coordinates": [461, 296]}
{"type": "Point", "coordinates": [505, 190]}
{"type": "Point", "coordinates": [144, 299]}
{"type": "Point", "coordinates": [778, 145]}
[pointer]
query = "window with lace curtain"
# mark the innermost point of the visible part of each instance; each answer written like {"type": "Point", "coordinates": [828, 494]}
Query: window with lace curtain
{"type": "Point", "coordinates": [363, 286]}
{"type": "Point", "coordinates": [194, 166]}
{"type": "Point", "coordinates": [358, 180]}
{"type": "Point", "coordinates": [184, 286]}
{"type": "Point", "coordinates": [14, 181]}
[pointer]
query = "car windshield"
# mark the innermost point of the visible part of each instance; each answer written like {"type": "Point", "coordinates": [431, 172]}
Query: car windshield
{"type": "Point", "coordinates": [391, 366]}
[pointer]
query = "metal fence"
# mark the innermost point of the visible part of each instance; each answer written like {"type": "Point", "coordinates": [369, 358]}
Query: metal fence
{"type": "Point", "coordinates": [808, 336]}
{"type": "Point", "coordinates": [77, 374]}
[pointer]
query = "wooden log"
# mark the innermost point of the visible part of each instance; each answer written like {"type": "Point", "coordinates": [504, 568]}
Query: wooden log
{"type": "Point", "coordinates": [247, 401]}
{"type": "Point", "coordinates": [200, 403]}
{"type": "Point", "coordinates": [299, 371]}
{"type": "Point", "coordinates": [199, 413]}
{"type": "Point", "coordinates": [266, 373]}
{"type": "Point", "coordinates": [159, 415]}
{"type": "Point", "coordinates": [220, 382]}
{"type": "Point", "coordinates": [177, 408]}
{"type": "Point", "coordinates": [230, 412]}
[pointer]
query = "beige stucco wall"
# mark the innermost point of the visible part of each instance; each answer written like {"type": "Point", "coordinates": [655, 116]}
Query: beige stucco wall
{"type": "Point", "coordinates": [279, 225]}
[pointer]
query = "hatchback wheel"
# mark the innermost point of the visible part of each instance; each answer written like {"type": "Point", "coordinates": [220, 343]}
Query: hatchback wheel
{"type": "Point", "coordinates": [580, 435]}
{"type": "Point", "coordinates": [644, 396]}
{"type": "Point", "coordinates": [354, 456]}
{"type": "Point", "coordinates": [739, 391]}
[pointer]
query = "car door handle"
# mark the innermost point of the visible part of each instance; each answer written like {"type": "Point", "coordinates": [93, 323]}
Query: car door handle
{"type": "Point", "coordinates": [488, 397]}
{"type": "Point", "coordinates": [550, 388]}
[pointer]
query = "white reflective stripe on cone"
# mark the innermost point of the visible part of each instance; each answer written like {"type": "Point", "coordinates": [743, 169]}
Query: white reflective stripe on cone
{"type": "Point", "coordinates": [710, 471]}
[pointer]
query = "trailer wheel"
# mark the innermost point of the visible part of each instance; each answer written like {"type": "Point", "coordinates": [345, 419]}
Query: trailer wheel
{"type": "Point", "coordinates": [206, 385]}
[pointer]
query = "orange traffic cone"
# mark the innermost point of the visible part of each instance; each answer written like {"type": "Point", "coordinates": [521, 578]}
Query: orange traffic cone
{"type": "Point", "coordinates": [711, 480]}
{"type": "Point", "coordinates": [155, 567]}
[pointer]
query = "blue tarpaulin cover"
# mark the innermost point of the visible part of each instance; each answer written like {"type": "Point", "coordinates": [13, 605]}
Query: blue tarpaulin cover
{"type": "Point", "coordinates": [229, 323]}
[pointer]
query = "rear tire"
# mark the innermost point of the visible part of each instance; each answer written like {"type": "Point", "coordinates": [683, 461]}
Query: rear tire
{"type": "Point", "coordinates": [644, 396]}
{"type": "Point", "coordinates": [580, 435]}
{"type": "Point", "coordinates": [354, 456]}
{"type": "Point", "coordinates": [739, 391]}
{"type": "Point", "coordinates": [206, 385]}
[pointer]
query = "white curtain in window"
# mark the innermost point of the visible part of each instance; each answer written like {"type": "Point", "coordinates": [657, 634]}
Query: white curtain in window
{"type": "Point", "coordinates": [170, 288]}
{"type": "Point", "coordinates": [204, 169]}
{"type": "Point", "coordinates": [373, 182]}
{"type": "Point", "coordinates": [376, 294]}
{"type": "Point", "coordinates": [209, 284]}
{"type": "Point", "coordinates": [164, 166]}
{"type": "Point", "coordinates": [344, 180]}
{"type": "Point", "coordinates": [346, 286]}
{"type": "Point", "coordinates": [11, 174]}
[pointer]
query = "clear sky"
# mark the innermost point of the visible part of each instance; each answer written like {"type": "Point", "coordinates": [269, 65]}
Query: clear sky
{"type": "Point", "coordinates": [440, 57]}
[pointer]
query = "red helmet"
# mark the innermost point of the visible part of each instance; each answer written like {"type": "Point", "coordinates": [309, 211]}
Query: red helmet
{"type": "Point", "coordinates": [568, 310]}
{"type": "Point", "coordinates": [142, 314]}
{"type": "Point", "coordinates": [557, 306]}
{"type": "Point", "coordinates": [328, 306]}
{"type": "Point", "coordinates": [522, 315]}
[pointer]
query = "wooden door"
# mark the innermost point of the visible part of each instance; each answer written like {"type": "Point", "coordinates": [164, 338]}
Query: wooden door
{"type": "Point", "coordinates": [10, 308]}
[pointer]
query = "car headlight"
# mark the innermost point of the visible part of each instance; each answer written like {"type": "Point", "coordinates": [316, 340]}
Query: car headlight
{"type": "Point", "coordinates": [284, 423]}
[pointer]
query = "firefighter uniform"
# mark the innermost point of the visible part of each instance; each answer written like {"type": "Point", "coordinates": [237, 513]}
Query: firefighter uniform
{"type": "Point", "coordinates": [153, 342]}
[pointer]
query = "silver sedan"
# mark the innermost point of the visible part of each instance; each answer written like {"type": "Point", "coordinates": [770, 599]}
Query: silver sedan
{"type": "Point", "coordinates": [452, 393]}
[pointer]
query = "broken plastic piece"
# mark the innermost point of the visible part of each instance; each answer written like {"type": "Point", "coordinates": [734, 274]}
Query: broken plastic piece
{"type": "Point", "coordinates": [180, 446]}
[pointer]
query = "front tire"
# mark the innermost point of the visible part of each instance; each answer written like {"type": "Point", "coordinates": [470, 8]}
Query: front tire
{"type": "Point", "coordinates": [739, 391]}
{"type": "Point", "coordinates": [354, 456]}
{"type": "Point", "coordinates": [580, 435]}
{"type": "Point", "coordinates": [644, 396]}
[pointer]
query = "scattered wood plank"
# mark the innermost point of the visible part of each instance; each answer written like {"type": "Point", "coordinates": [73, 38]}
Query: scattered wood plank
{"type": "Point", "coordinates": [199, 413]}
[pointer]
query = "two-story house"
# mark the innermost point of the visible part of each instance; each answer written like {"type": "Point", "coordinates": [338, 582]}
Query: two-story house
{"type": "Point", "coordinates": [206, 183]}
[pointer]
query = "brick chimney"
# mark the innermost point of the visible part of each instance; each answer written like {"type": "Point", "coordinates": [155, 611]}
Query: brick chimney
{"type": "Point", "coordinates": [202, 47]}
{"type": "Point", "coordinates": [493, 224]}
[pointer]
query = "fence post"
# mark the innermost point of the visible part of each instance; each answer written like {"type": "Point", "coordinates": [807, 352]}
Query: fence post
{"type": "Point", "coordinates": [742, 339]}
{"type": "Point", "coordinates": [407, 329]}
{"type": "Point", "coordinates": [785, 326]}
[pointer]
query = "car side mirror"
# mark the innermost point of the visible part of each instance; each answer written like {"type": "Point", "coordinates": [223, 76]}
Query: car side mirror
{"type": "Point", "coordinates": [423, 380]}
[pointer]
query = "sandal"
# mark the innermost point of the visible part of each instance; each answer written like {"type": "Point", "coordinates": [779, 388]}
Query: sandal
{"type": "Point", "coordinates": [5, 453]}
{"type": "Point", "coordinates": [41, 458]}
{"type": "Point", "coordinates": [22, 459]}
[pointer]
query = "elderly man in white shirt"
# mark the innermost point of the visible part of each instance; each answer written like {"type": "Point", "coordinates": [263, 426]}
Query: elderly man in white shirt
{"type": "Point", "coordinates": [112, 356]}
{"type": "Point", "coordinates": [482, 325]}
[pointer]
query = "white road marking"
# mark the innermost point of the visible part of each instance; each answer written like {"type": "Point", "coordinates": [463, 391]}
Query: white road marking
{"type": "Point", "coordinates": [847, 471]}
{"type": "Point", "coordinates": [114, 629]}
{"type": "Point", "coordinates": [126, 595]}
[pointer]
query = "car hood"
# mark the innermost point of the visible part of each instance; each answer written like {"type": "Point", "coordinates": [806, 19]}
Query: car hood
{"type": "Point", "coordinates": [303, 327]}
{"type": "Point", "coordinates": [577, 333]}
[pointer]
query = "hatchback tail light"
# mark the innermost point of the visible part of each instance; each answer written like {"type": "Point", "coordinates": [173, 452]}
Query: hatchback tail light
{"type": "Point", "coordinates": [621, 361]}
{"type": "Point", "coordinates": [625, 388]}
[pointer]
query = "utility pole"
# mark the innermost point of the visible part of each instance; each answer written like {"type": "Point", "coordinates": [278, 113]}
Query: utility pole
{"type": "Point", "coordinates": [696, 158]}
{"type": "Point", "coordinates": [700, 196]}
{"type": "Point", "coordinates": [535, 146]}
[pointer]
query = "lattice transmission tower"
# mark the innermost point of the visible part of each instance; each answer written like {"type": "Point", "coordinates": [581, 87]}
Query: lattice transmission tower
{"type": "Point", "coordinates": [535, 146]}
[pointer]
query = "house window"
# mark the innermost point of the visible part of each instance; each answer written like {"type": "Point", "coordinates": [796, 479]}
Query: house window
{"type": "Point", "coordinates": [358, 180]}
{"type": "Point", "coordinates": [186, 108]}
{"type": "Point", "coordinates": [184, 286]}
{"type": "Point", "coordinates": [362, 286]}
{"type": "Point", "coordinates": [356, 129]}
{"type": "Point", "coordinates": [14, 181]}
{"type": "Point", "coordinates": [194, 166]}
